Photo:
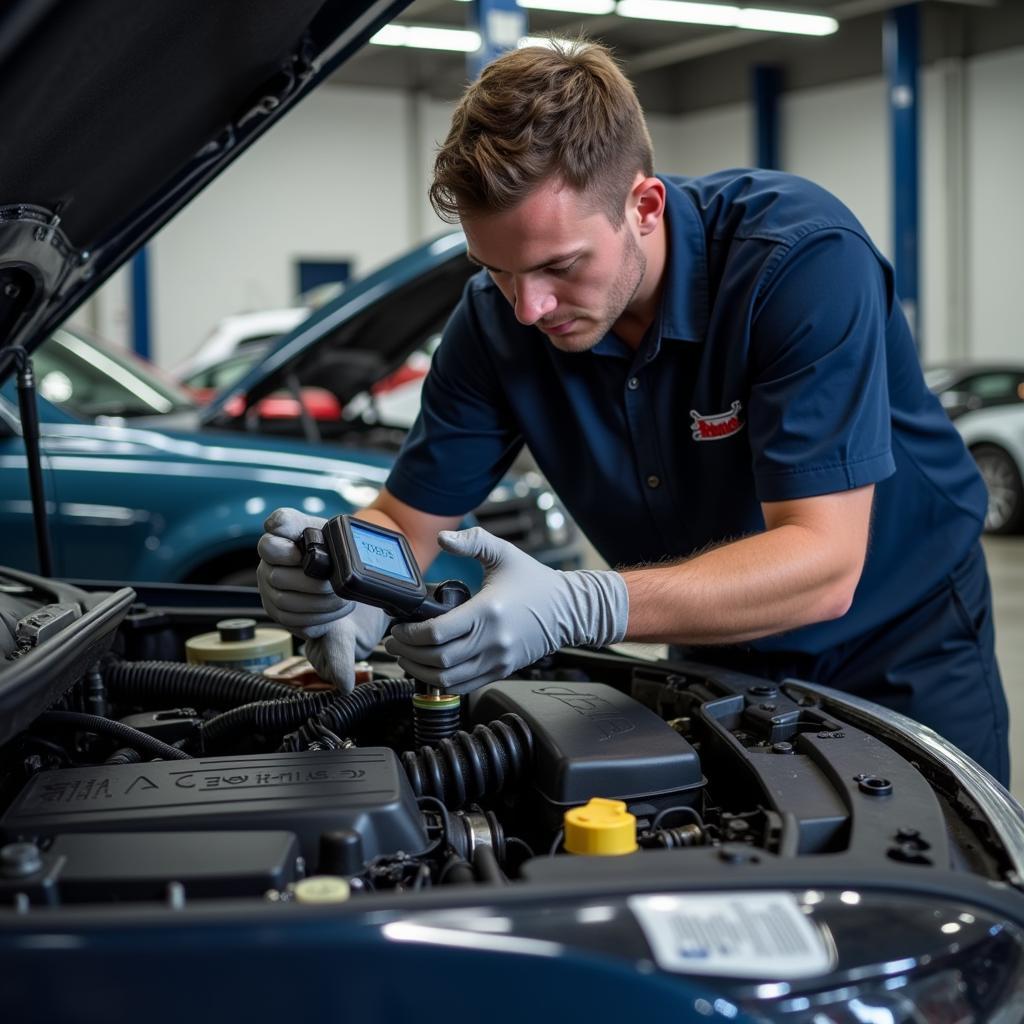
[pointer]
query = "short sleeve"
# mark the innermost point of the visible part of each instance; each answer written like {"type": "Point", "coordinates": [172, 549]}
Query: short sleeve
{"type": "Point", "coordinates": [465, 437]}
{"type": "Point", "coordinates": [819, 416]}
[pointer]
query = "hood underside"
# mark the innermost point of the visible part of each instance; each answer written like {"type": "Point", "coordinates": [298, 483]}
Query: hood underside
{"type": "Point", "coordinates": [116, 113]}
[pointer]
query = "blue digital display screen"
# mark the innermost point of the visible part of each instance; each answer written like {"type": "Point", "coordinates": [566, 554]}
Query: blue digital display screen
{"type": "Point", "coordinates": [382, 553]}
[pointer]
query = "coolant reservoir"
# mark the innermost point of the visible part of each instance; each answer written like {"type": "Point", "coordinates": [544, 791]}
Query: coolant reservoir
{"type": "Point", "coordinates": [239, 643]}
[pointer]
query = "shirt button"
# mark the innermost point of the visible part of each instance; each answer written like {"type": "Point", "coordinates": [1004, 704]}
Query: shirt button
{"type": "Point", "coordinates": [653, 481]}
{"type": "Point", "coordinates": [633, 383]}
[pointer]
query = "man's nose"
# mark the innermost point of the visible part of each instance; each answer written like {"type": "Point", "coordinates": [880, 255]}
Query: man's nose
{"type": "Point", "coordinates": [532, 300]}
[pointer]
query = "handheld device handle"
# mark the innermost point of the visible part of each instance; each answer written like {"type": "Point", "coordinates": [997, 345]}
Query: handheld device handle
{"type": "Point", "coordinates": [446, 595]}
{"type": "Point", "coordinates": [316, 559]}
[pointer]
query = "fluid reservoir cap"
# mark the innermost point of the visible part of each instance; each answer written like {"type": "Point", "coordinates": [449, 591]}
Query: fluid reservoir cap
{"type": "Point", "coordinates": [236, 629]}
{"type": "Point", "coordinates": [600, 828]}
{"type": "Point", "coordinates": [322, 889]}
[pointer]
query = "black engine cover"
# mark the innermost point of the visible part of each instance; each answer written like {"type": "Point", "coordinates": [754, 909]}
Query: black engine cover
{"type": "Point", "coordinates": [591, 740]}
{"type": "Point", "coordinates": [364, 789]}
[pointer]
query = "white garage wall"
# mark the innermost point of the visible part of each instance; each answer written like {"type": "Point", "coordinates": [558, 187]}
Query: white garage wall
{"type": "Point", "coordinates": [700, 143]}
{"type": "Point", "coordinates": [838, 137]}
{"type": "Point", "coordinates": [434, 116]}
{"type": "Point", "coordinates": [995, 203]}
{"type": "Point", "coordinates": [328, 182]}
{"type": "Point", "coordinates": [345, 177]}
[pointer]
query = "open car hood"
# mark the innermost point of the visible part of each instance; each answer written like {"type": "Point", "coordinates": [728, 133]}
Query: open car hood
{"type": "Point", "coordinates": [116, 113]}
{"type": "Point", "coordinates": [362, 335]}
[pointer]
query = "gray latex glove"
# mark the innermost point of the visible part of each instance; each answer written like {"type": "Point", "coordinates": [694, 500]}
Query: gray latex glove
{"type": "Point", "coordinates": [334, 652]}
{"type": "Point", "coordinates": [524, 610]}
{"type": "Point", "coordinates": [337, 632]}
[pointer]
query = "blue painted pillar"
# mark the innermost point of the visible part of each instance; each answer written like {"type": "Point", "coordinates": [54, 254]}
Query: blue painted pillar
{"type": "Point", "coordinates": [141, 333]}
{"type": "Point", "coordinates": [902, 30]}
{"type": "Point", "coordinates": [767, 87]}
{"type": "Point", "coordinates": [501, 24]}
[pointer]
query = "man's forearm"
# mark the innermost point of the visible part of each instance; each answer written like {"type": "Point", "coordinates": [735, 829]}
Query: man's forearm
{"type": "Point", "coordinates": [768, 583]}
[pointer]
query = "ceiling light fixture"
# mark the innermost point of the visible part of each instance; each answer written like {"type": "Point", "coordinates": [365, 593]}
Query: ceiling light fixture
{"type": "Point", "coordinates": [570, 6]}
{"type": "Point", "coordinates": [427, 37]}
{"type": "Point", "coordinates": [566, 6]}
{"type": "Point", "coordinates": [755, 18]}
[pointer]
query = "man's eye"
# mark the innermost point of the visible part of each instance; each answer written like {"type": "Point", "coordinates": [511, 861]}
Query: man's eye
{"type": "Point", "coordinates": [564, 268]}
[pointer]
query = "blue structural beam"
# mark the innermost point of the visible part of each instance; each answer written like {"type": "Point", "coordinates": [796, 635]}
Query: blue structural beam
{"type": "Point", "coordinates": [902, 32]}
{"type": "Point", "coordinates": [140, 304]}
{"type": "Point", "coordinates": [767, 87]}
{"type": "Point", "coordinates": [501, 24]}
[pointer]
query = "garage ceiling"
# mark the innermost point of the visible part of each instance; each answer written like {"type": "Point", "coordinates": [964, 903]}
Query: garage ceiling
{"type": "Point", "coordinates": [679, 68]}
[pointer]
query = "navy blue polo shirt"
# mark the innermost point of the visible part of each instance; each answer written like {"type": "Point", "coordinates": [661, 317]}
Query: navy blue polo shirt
{"type": "Point", "coordinates": [780, 366]}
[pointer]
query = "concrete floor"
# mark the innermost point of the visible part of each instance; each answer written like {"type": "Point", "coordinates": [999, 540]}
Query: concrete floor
{"type": "Point", "coordinates": [1006, 568]}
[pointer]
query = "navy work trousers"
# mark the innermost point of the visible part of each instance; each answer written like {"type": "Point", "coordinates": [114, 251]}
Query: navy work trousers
{"type": "Point", "coordinates": [935, 663]}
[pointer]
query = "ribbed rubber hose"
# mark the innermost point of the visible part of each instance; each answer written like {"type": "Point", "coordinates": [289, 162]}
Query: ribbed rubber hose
{"type": "Point", "coordinates": [339, 713]}
{"type": "Point", "coordinates": [124, 734]}
{"type": "Point", "coordinates": [124, 755]}
{"type": "Point", "coordinates": [176, 683]}
{"type": "Point", "coordinates": [471, 766]}
{"type": "Point", "coordinates": [344, 713]}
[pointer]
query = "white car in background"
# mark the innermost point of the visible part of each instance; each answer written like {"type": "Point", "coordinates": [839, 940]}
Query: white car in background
{"type": "Point", "coordinates": [237, 333]}
{"type": "Point", "coordinates": [995, 437]}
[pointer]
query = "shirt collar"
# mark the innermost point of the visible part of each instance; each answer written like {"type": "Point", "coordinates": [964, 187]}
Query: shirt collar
{"type": "Point", "coordinates": [684, 299]}
{"type": "Point", "coordinates": [683, 312]}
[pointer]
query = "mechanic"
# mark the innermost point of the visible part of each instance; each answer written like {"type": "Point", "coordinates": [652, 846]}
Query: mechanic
{"type": "Point", "coordinates": [717, 378]}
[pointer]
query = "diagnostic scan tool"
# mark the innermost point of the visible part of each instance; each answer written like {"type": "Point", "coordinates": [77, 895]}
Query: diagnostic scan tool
{"type": "Point", "coordinates": [373, 565]}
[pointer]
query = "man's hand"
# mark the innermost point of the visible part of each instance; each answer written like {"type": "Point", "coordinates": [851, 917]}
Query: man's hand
{"type": "Point", "coordinates": [523, 612]}
{"type": "Point", "coordinates": [345, 641]}
{"type": "Point", "coordinates": [337, 632]}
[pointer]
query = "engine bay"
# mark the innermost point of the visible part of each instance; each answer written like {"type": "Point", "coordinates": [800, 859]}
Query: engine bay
{"type": "Point", "coordinates": [130, 775]}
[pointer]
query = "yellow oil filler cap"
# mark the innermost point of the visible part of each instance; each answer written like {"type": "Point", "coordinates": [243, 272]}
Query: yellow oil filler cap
{"type": "Point", "coordinates": [602, 828]}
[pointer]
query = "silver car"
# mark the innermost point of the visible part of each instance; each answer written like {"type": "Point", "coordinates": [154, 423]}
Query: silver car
{"type": "Point", "coordinates": [995, 437]}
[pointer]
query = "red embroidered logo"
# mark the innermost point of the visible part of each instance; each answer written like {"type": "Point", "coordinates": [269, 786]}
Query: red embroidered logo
{"type": "Point", "coordinates": [714, 428]}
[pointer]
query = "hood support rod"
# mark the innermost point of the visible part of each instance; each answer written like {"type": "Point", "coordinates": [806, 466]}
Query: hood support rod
{"type": "Point", "coordinates": [33, 457]}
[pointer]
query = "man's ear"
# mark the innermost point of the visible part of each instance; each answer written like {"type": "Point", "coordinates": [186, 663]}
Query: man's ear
{"type": "Point", "coordinates": [648, 201]}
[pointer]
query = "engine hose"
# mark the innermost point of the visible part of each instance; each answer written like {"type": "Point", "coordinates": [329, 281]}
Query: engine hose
{"type": "Point", "coordinates": [264, 716]}
{"type": "Point", "coordinates": [344, 713]}
{"type": "Point", "coordinates": [339, 714]}
{"type": "Point", "coordinates": [124, 755]}
{"type": "Point", "coordinates": [486, 867]}
{"type": "Point", "coordinates": [470, 766]}
{"type": "Point", "coordinates": [124, 734]}
{"type": "Point", "coordinates": [176, 683]}
{"type": "Point", "coordinates": [456, 871]}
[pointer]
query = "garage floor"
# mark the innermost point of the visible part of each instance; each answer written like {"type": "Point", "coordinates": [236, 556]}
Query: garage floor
{"type": "Point", "coordinates": [1006, 567]}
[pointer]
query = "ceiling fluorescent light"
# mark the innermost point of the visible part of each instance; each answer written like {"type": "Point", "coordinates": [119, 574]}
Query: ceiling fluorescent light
{"type": "Point", "coordinates": [758, 19]}
{"type": "Point", "coordinates": [673, 10]}
{"type": "Point", "coordinates": [570, 6]}
{"type": "Point", "coordinates": [786, 21]}
{"type": "Point", "coordinates": [426, 37]}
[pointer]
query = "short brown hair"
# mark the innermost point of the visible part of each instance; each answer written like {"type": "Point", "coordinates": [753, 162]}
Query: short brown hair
{"type": "Point", "coordinates": [564, 111]}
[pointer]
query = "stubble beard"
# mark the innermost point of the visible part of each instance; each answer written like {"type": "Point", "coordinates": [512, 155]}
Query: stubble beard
{"type": "Point", "coordinates": [621, 294]}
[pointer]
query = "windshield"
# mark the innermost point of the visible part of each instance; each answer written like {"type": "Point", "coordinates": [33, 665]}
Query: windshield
{"type": "Point", "coordinates": [88, 380]}
{"type": "Point", "coordinates": [938, 378]}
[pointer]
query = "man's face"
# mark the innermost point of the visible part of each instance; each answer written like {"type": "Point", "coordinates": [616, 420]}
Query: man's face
{"type": "Point", "coordinates": [560, 263]}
